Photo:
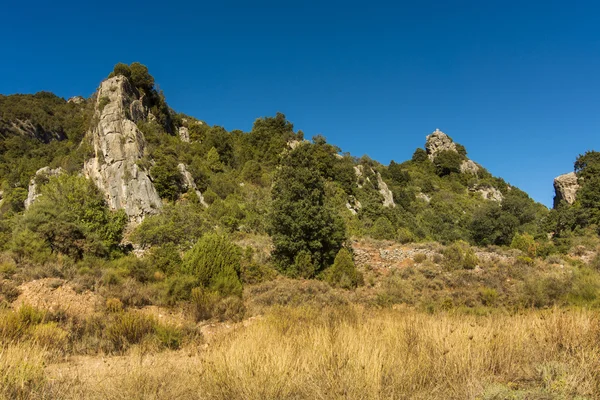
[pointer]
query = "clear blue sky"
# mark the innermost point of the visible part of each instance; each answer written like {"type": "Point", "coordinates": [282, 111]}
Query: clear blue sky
{"type": "Point", "coordinates": [516, 82]}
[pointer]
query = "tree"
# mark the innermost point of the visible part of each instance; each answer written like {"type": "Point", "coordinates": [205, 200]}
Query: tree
{"type": "Point", "coordinates": [300, 222]}
{"type": "Point", "coordinates": [73, 218]}
{"type": "Point", "coordinates": [167, 178]}
{"type": "Point", "coordinates": [419, 155]}
{"type": "Point", "coordinates": [447, 162]}
{"type": "Point", "coordinates": [140, 77]}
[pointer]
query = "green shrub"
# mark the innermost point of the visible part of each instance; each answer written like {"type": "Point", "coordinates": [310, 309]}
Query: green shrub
{"type": "Point", "coordinates": [488, 296]}
{"type": "Point", "coordinates": [129, 328]}
{"type": "Point", "coordinates": [8, 291]}
{"type": "Point", "coordinates": [383, 229]}
{"type": "Point", "coordinates": [419, 258]}
{"type": "Point", "coordinates": [178, 288]}
{"type": "Point", "coordinates": [50, 336]}
{"type": "Point", "coordinates": [526, 243]}
{"type": "Point", "coordinates": [103, 102]}
{"type": "Point", "coordinates": [169, 336]}
{"type": "Point", "coordinates": [165, 258]}
{"type": "Point", "coordinates": [404, 235]}
{"type": "Point", "coordinates": [343, 271]}
{"type": "Point", "coordinates": [202, 303]}
{"type": "Point", "coordinates": [215, 261]}
{"type": "Point", "coordinates": [460, 255]}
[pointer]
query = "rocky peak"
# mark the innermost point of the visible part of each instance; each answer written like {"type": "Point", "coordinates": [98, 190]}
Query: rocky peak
{"type": "Point", "coordinates": [565, 188]}
{"type": "Point", "coordinates": [438, 141]}
{"type": "Point", "coordinates": [118, 146]}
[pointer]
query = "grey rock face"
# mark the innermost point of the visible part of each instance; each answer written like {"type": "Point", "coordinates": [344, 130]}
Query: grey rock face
{"type": "Point", "coordinates": [388, 197]}
{"type": "Point", "coordinates": [469, 167]}
{"type": "Point", "coordinates": [184, 134]}
{"type": "Point", "coordinates": [189, 183]}
{"type": "Point", "coordinates": [76, 100]}
{"type": "Point", "coordinates": [42, 173]}
{"type": "Point", "coordinates": [118, 146]}
{"type": "Point", "coordinates": [565, 188]}
{"type": "Point", "coordinates": [353, 205]}
{"type": "Point", "coordinates": [491, 193]}
{"type": "Point", "coordinates": [438, 141]}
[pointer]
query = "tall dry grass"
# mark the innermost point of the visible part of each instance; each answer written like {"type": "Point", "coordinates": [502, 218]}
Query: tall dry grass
{"type": "Point", "coordinates": [353, 353]}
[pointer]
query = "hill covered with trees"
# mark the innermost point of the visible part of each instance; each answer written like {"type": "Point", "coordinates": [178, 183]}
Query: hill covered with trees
{"type": "Point", "coordinates": [136, 177]}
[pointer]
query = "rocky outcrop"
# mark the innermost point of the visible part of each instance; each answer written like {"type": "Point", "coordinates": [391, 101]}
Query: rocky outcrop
{"type": "Point", "coordinates": [41, 176]}
{"type": "Point", "coordinates": [382, 187]}
{"type": "Point", "coordinates": [353, 205]}
{"type": "Point", "coordinates": [388, 197]}
{"type": "Point", "coordinates": [76, 100]}
{"type": "Point", "coordinates": [438, 141]}
{"type": "Point", "coordinates": [423, 197]}
{"type": "Point", "coordinates": [184, 134]}
{"type": "Point", "coordinates": [189, 183]}
{"type": "Point", "coordinates": [469, 167]}
{"type": "Point", "coordinates": [118, 147]}
{"type": "Point", "coordinates": [565, 188]}
{"type": "Point", "coordinates": [490, 193]}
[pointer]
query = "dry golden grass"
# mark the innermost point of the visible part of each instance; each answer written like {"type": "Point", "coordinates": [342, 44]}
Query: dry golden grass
{"type": "Point", "coordinates": [348, 352]}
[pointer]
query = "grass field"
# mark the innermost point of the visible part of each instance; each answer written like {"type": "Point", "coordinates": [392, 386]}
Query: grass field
{"type": "Point", "coordinates": [344, 352]}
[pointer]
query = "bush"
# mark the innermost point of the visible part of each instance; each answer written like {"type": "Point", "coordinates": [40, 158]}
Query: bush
{"type": "Point", "coordinates": [526, 243]}
{"type": "Point", "coordinates": [404, 235]}
{"type": "Point", "coordinates": [382, 229]}
{"type": "Point", "coordinates": [215, 261]}
{"type": "Point", "coordinates": [343, 272]}
{"type": "Point", "coordinates": [50, 335]}
{"type": "Point", "coordinates": [129, 328]}
{"type": "Point", "coordinates": [488, 296]}
{"type": "Point", "coordinates": [460, 255]}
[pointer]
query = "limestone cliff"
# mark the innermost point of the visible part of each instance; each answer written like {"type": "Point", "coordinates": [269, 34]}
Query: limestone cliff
{"type": "Point", "coordinates": [565, 188]}
{"type": "Point", "coordinates": [118, 146]}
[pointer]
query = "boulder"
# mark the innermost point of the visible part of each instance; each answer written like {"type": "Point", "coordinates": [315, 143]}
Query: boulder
{"type": "Point", "coordinates": [565, 188]}
{"type": "Point", "coordinates": [118, 147]}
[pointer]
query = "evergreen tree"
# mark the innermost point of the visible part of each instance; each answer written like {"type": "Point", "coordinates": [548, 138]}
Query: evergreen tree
{"type": "Point", "coordinates": [305, 231]}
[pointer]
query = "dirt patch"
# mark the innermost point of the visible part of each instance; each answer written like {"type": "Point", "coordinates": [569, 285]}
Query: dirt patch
{"type": "Point", "coordinates": [55, 294]}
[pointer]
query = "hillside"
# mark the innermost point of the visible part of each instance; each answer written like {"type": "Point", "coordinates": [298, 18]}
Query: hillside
{"type": "Point", "coordinates": [128, 227]}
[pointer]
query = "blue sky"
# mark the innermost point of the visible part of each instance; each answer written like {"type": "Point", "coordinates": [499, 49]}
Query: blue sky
{"type": "Point", "coordinates": [516, 82]}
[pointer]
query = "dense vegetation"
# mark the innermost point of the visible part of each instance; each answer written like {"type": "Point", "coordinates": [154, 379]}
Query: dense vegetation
{"type": "Point", "coordinates": [302, 196]}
